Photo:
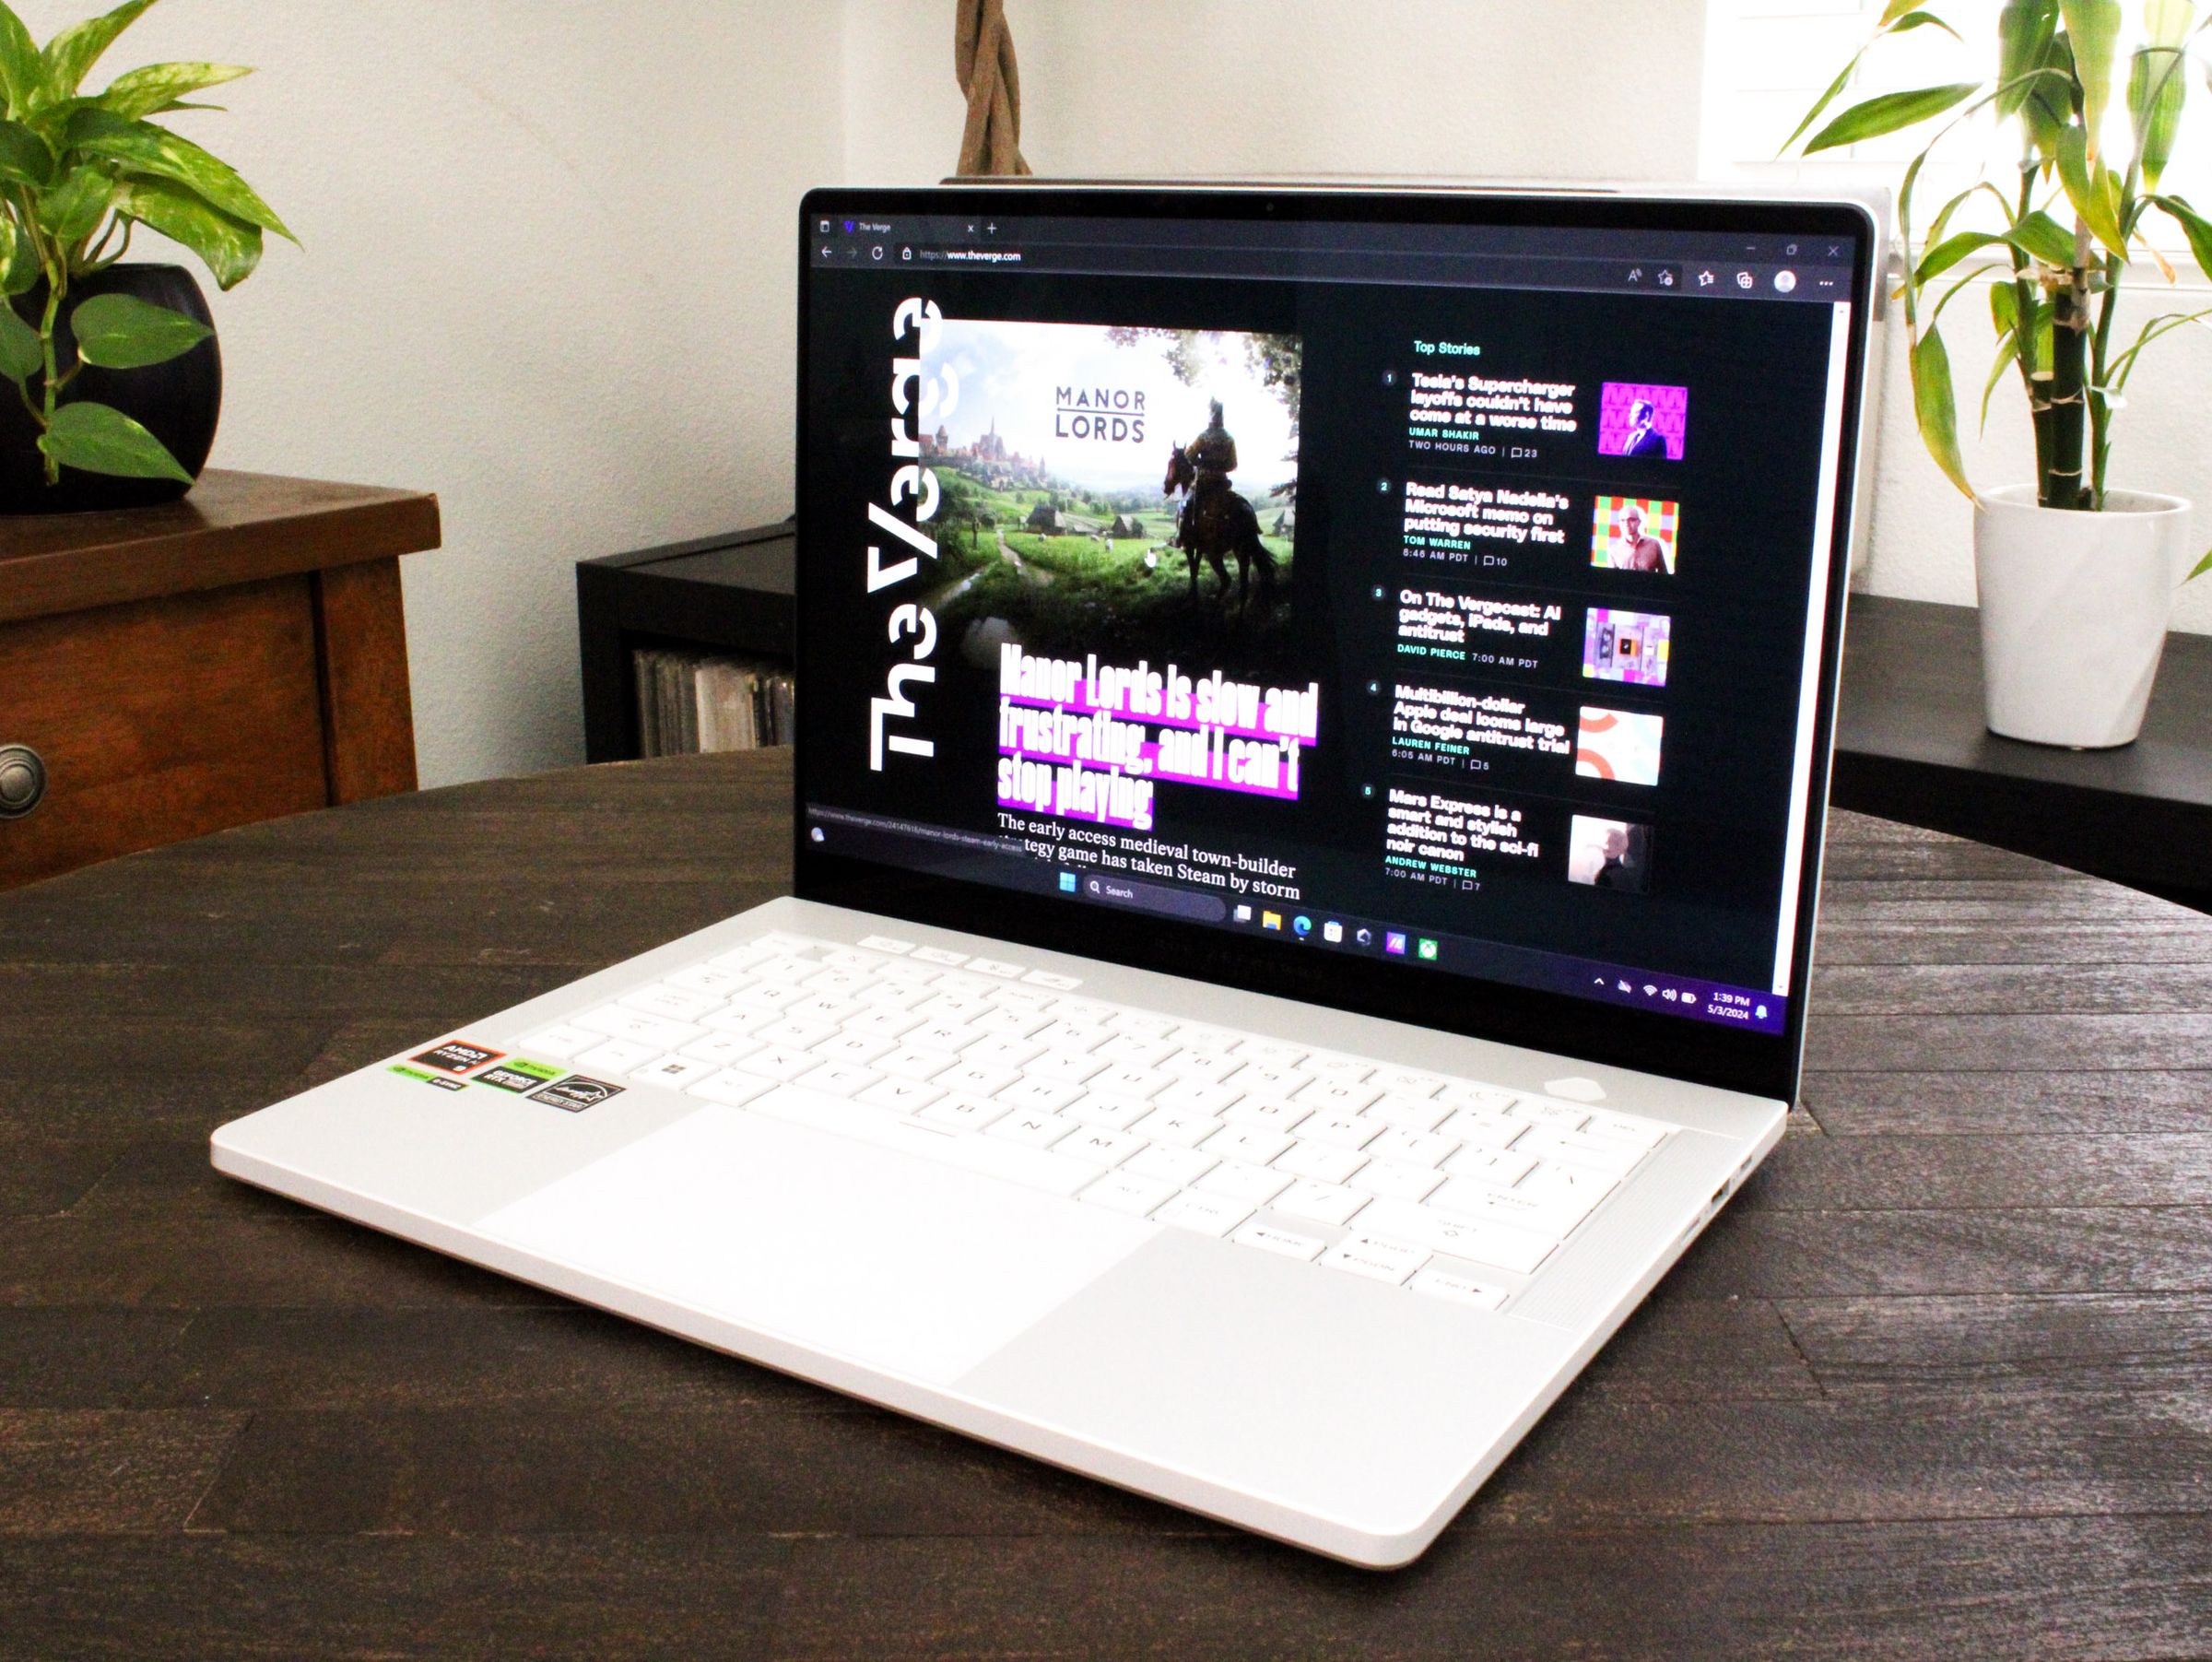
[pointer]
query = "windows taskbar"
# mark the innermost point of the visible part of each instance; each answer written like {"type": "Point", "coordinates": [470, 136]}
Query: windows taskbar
{"type": "Point", "coordinates": [1006, 863]}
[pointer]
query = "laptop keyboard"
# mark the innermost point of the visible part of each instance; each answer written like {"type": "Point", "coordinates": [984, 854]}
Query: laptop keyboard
{"type": "Point", "coordinates": [1448, 1185]}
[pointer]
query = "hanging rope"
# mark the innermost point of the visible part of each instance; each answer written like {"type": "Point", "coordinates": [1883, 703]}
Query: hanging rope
{"type": "Point", "coordinates": [983, 57]}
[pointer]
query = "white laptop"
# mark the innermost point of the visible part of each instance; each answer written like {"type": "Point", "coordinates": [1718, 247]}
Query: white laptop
{"type": "Point", "coordinates": [1314, 726]}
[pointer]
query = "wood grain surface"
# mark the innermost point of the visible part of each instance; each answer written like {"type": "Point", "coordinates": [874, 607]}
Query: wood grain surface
{"type": "Point", "coordinates": [1938, 1384]}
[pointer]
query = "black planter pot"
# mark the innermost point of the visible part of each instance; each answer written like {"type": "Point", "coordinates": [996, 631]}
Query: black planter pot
{"type": "Point", "coordinates": [178, 401]}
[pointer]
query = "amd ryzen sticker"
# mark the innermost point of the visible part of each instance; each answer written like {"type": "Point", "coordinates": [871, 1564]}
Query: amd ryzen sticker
{"type": "Point", "coordinates": [457, 1057]}
{"type": "Point", "coordinates": [576, 1094]}
{"type": "Point", "coordinates": [518, 1075]}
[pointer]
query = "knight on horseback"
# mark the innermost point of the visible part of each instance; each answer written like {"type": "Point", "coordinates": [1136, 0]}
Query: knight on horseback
{"type": "Point", "coordinates": [1215, 520]}
{"type": "Point", "coordinates": [1213, 455]}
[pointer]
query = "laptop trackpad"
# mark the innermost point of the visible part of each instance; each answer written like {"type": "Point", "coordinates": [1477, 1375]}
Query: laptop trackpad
{"type": "Point", "coordinates": [893, 1261]}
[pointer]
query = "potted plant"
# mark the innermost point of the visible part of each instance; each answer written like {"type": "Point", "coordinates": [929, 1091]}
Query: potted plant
{"type": "Point", "coordinates": [2076, 576]}
{"type": "Point", "coordinates": [115, 366]}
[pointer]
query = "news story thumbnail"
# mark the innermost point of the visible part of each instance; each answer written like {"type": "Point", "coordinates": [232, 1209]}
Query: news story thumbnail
{"type": "Point", "coordinates": [1648, 421]}
{"type": "Point", "coordinates": [1634, 534]}
{"type": "Point", "coordinates": [1131, 492]}
{"type": "Point", "coordinates": [1609, 854]}
{"type": "Point", "coordinates": [1625, 646]}
{"type": "Point", "coordinates": [1619, 745]}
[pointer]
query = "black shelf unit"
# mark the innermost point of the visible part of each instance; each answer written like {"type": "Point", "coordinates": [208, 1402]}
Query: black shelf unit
{"type": "Point", "coordinates": [732, 592]}
{"type": "Point", "coordinates": [1910, 740]}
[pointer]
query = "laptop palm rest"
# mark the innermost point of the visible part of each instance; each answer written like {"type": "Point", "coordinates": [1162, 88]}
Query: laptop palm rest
{"type": "Point", "coordinates": [776, 1228]}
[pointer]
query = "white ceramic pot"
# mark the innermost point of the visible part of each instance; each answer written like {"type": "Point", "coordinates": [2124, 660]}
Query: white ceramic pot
{"type": "Point", "coordinates": [2074, 610]}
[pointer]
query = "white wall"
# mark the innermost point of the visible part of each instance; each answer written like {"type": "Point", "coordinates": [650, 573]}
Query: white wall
{"type": "Point", "coordinates": [547, 274]}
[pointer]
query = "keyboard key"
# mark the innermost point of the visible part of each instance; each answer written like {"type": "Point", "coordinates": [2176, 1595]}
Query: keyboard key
{"type": "Point", "coordinates": [780, 1062]}
{"type": "Point", "coordinates": [1201, 1064]}
{"type": "Point", "coordinates": [619, 1021]}
{"type": "Point", "coordinates": [1002, 1052]}
{"type": "Point", "coordinates": [1176, 1129]}
{"type": "Point", "coordinates": [1407, 1082]}
{"type": "Point", "coordinates": [939, 955]}
{"type": "Point", "coordinates": [1346, 1070]}
{"type": "Point", "coordinates": [1409, 1114]}
{"type": "Point", "coordinates": [901, 1096]}
{"type": "Point", "coordinates": [766, 999]}
{"type": "Point", "coordinates": [1621, 1127]}
{"type": "Point", "coordinates": [1321, 1162]}
{"type": "Point", "coordinates": [721, 1049]}
{"type": "Point", "coordinates": [947, 1036]}
{"type": "Point", "coordinates": [1543, 1209]}
{"type": "Point", "coordinates": [835, 1078]}
{"type": "Point", "coordinates": [1256, 1185]}
{"type": "Point", "coordinates": [1253, 1146]}
{"type": "Point", "coordinates": [1490, 1168]}
{"type": "Point", "coordinates": [1098, 1144]}
{"type": "Point", "coordinates": [561, 1041]}
{"type": "Point", "coordinates": [1070, 1066]}
{"type": "Point", "coordinates": [845, 982]}
{"type": "Point", "coordinates": [1270, 1052]}
{"type": "Point", "coordinates": [1206, 1214]}
{"type": "Point", "coordinates": [1328, 1095]}
{"type": "Point", "coordinates": [1142, 1025]}
{"type": "Point", "coordinates": [1411, 1148]}
{"type": "Point", "coordinates": [1139, 1056]}
{"type": "Point", "coordinates": [1274, 1238]}
{"type": "Point", "coordinates": [1340, 1130]}
{"type": "Point", "coordinates": [731, 1088]}
{"type": "Point", "coordinates": [1265, 1079]}
{"type": "Point", "coordinates": [996, 968]}
{"type": "Point", "coordinates": [1560, 1116]}
{"type": "Point", "coordinates": [678, 1004]}
{"type": "Point", "coordinates": [674, 1072]}
{"type": "Point", "coordinates": [1135, 1083]}
{"type": "Point", "coordinates": [886, 1020]}
{"type": "Point", "coordinates": [794, 1036]}
{"type": "Point", "coordinates": [1319, 1202]}
{"type": "Point", "coordinates": [1041, 1095]}
{"type": "Point", "coordinates": [911, 1062]}
{"type": "Point", "coordinates": [1395, 1180]}
{"type": "Point", "coordinates": [1119, 1192]}
{"type": "Point", "coordinates": [706, 978]}
{"type": "Point", "coordinates": [828, 1010]}
{"type": "Point", "coordinates": [1028, 999]}
{"type": "Point", "coordinates": [975, 1080]}
{"type": "Point", "coordinates": [1270, 1113]}
{"type": "Point", "coordinates": [857, 1049]}
{"type": "Point", "coordinates": [1009, 1021]}
{"type": "Point", "coordinates": [1164, 1163]}
{"type": "Point", "coordinates": [1573, 1189]}
{"type": "Point", "coordinates": [1052, 980]}
{"type": "Point", "coordinates": [1032, 1130]}
{"type": "Point", "coordinates": [1462, 1094]}
{"type": "Point", "coordinates": [1079, 1036]}
{"type": "Point", "coordinates": [1593, 1153]}
{"type": "Point", "coordinates": [1377, 1258]}
{"type": "Point", "coordinates": [960, 1007]}
{"type": "Point", "coordinates": [1117, 1114]}
{"type": "Point", "coordinates": [1484, 1129]}
{"type": "Point", "coordinates": [617, 1055]}
{"type": "Point", "coordinates": [1187, 1095]}
{"type": "Point", "coordinates": [1441, 1283]}
{"type": "Point", "coordinates": [1483, 1242]}
{"type": "Point", "coordinates": [884, 943]}
{"type": "Point", "coordinates": [962, 1112]}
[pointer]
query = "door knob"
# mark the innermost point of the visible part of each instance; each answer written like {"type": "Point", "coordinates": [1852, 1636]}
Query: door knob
{"type": "Point", "coordinates": [22, 781]}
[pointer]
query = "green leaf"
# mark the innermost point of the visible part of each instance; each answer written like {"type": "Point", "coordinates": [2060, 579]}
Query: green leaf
{"type": "Point", "coordinates": [229, 248]}
{"type": "Point", "coordinates": [2195, 226]}
{"type": "Point", "coordinates": [24, 158]}
{"type": "Point", "coordinates": [70, 55]}
{"type": "Point", "coordinates": [158, 86]}
{"type": "Point", "coordinates": [1922, 20]}
{"type": "Point", "coordinates": [1895, 10]}
{"type": "Point", "coordinates": [121, 332]}
{"type": "Point", "coordinates": [2047, 98]}
{"type": "Point", "coordinates": [22, 73]}
{"type": "Point", "coordinates": [2040, 237]}
{"type": "Point", "coordinates": [2025, 29]}
{"type": "Point", "coordinates": [22, 354]}
{"type": "Point", "coordinates": [1890, 113]}
{"type": "Point", "coordinates": [20, 268]}
{"type": "Point", "coordinates": [2198, 570]}
{"type": "Point", "coordinates": [2004, 308]}
{"type": "Point", "coordinates": [75, 208]}
{"type": "Point", "coordinates": [2157, 87]}
{"type": "Point", "coordinates": [99, 438]}
{"type": "Point", "coordinates": [2008, 354]}
{"type": "Point", "coordinates": [2087, 188]}
{"type": "Point", "coordinates": [2166, 22]}
{"type": "Point", "coordinates": [1937, 409]}
{"type": "Point", "coordinates": [2093, 30]}
{"type": "Point", "coordinates": [145, 149]}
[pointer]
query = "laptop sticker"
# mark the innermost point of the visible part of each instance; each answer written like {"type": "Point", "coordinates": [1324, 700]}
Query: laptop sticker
{"type": "Point", "coordinates": [518, 1075]}
{"type": "Point", "coordinates": [575, 1093]}
{"type": "Point", "coordinates": [457, 1057]}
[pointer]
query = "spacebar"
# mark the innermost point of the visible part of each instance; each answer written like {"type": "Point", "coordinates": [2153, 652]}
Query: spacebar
{"type": "Point", "coordinates": [1033, 1168]}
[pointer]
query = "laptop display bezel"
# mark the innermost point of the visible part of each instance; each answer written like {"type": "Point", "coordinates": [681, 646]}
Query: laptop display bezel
{"type": "Point", "coordinates": [1767, 1064]}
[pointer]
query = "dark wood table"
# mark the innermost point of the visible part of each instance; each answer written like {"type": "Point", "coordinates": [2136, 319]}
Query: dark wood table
{"type": "Point", "coordinates": [1938, 1384]}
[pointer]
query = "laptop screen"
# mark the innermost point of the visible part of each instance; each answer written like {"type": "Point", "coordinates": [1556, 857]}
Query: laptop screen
{"type": "Point", "coordinates": [1425, 603]}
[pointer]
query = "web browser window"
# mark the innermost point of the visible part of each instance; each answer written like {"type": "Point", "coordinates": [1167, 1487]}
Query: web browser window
{"type": "Point", "coordinates": [1449, 596]}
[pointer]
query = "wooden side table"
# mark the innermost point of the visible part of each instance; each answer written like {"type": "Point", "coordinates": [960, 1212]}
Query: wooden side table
{"type": "Point", "coordinates": [171, 671]}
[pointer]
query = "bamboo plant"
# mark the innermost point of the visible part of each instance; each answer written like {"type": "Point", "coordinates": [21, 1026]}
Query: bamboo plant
{"type": "Point", "coordinates": [78, 176]}
{"type": "Point", "coordinates": [2057, 239]}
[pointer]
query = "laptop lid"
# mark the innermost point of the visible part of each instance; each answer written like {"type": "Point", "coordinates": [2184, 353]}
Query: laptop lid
{"type": "Point", "coordinates": [1424, 604]}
